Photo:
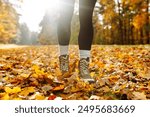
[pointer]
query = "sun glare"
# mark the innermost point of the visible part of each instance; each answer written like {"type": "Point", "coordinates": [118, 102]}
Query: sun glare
{"type": "Point", "coordinates": [34, 10]}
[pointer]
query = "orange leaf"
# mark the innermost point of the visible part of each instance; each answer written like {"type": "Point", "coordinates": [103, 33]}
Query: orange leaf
{"type": "Point", "coordinates": [52, 97]}
{"type": "Point", "coordinates": [61, 87]}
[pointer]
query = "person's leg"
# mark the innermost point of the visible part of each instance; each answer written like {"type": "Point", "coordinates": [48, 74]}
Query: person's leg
{"type": "Point", "coordinates": [86, 8]}
{"type": "Point", "coordinates": [86, 27]}
{"type": "Point", "coordinates": [66, 9]}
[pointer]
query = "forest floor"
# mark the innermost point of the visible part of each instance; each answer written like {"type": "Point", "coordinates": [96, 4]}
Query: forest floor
{"type": "Point", "coordinates": [32, 73]}
{"type": "Point", "coordinates": [9, 46]}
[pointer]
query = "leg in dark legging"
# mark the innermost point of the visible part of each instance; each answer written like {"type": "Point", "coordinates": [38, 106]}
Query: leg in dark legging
{"type": "Point", "coordinates": [64, 32]}
{"type": "Point", "coordinates": [86, 8]}
{"type": "Point", "coordinates": [64, 22]}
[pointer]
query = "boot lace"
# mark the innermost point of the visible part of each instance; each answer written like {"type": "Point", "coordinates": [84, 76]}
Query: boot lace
{"type": "Point", "coordinates": [64, 63]}
{"type": "Point", "coordinates": [84, 66]}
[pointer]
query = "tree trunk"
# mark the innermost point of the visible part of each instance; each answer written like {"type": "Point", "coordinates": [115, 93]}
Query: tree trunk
{"type": "Point", "coordinates": [141, 37]}
{"type": "Point", "coordinates": [129, 31]}
{"type": "Point", "coordinates": [132, 35]}
{"type": "Point", "coordinates": [120, 24]}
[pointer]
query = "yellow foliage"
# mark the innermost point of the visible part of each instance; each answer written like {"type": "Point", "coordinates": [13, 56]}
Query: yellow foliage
{"type": "Point", "coordinates": [27, 90]}
{"type": "Point", "coordinates": [8, 22]}
{"type": "Point", "coordinates": [39, 97]}
{"type": "Point", "coordinates": [14, 90]}
{"type": "Point", "coordinates": [8, 90]}
{"type": "Point", "coordinates": [5, 97]}
{"type": "Point", "coordinates": [92, 74]}
{"type": "Point", "coordinates": [17, 99]}
{"type": "Point", "coordinates": [139, 20]}
{"type": "Point", "coordinates": [37, 69]}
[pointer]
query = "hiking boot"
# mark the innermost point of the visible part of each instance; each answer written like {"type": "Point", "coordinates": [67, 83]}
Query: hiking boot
{"type": "Point", "coordinates": [64, 63]}
{"type": "Point", "coordinates": [84, 70]}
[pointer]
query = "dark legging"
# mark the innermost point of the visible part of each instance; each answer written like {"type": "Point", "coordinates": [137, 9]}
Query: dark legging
{"type": "Point", "coordinates": [85, 16]}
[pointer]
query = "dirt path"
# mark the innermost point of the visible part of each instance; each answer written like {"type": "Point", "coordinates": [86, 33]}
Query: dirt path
{"type": "Point", "coordinates": [9, 46]}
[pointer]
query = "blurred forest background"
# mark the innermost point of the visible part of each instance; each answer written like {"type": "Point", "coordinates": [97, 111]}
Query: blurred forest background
{"type": "Point", "coordinates": [115, 22]}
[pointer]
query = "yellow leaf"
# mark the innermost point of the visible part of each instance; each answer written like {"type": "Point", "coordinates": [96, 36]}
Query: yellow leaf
{"type": "Point", "coordinates": [39, 97]}
{"type": "Point", "coordinates": [26, 91]}
{"type": "Point", "coordinates": [16, 90]}
{"type": "Point", "coordinates": [92, 74]}
{"type": "Point", "coordinates": [24, 75]}
{"type": "Point", "coordinates": [31, 89]}
{"type": "Point", "coordinates": [17, 99]}
{"type": "Point", "coordinates": [5, 97]}
{"type": "Point", "coordinates": [35, 75]}
{"type": "Point", "coordinates": [6, 78]}
{"type": "Point", "coordinates": [8, 90]}
{"type": "Point", "coordinates": [74, 89]}
{"type": "Point", "coordinates": [34, 67]}
{"type": "Point", "coordinates": [37, 69]}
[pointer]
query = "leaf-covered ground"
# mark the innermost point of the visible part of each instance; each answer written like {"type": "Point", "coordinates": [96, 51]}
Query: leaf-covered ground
{"type": "Point", "coordinates": [32, 73]}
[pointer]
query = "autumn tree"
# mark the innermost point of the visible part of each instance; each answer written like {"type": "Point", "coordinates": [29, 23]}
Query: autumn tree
{"type": "Point", "coordinates": [8, 22]}
{"type": "Point", "coordinates": [134, 20]}
{"type": "Point", "coordinates": [124, 21]}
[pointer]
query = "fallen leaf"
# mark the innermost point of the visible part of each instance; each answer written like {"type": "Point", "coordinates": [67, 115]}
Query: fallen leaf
{"type": "Point", "coordinates": [39, 97]}
{"type": "Point", "coordinates": [26, 91]}
{"type": "Point", "coordinates": [94, 97]}
{"type": "Point", "coordinates": [139, 96]}
{"type": "Point", "coordinates": [52, 97]}
{"type": "Point", "coordinates": [5, 97]}
{"type": "Point", "coordinates": [58, 88]}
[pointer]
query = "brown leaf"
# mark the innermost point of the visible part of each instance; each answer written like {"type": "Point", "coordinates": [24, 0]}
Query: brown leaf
{"type": "Point", "coordinates": [139, 96]}
{"type": "Point", "coordinates": [47, 88]}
